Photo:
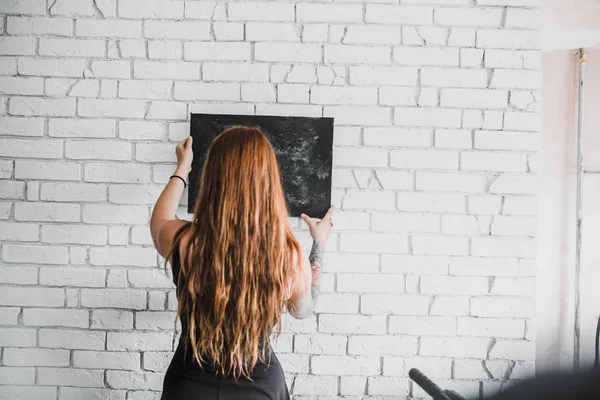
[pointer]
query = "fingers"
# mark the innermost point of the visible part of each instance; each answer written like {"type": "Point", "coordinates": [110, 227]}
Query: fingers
{"type": "Point", "coordinates": [307, 219]}
{"type": "Point", "coordinates": [185, 143]}
{"type": "Point", "coordinates": [328, 214]}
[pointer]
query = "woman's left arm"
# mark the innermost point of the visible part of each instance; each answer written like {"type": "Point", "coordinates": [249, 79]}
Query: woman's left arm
{"type": "Point", "coordinates": [164, 223]}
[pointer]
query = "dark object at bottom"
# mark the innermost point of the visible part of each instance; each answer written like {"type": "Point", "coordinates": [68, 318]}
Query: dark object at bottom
{"type": "Point", "coordinates": [572, 386]}
{"type": "Point", "coordinates": [431, 388]}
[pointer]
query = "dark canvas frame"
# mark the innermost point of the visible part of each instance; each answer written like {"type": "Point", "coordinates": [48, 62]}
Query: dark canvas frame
{"type": "Point", "coordinates": [303, 147]}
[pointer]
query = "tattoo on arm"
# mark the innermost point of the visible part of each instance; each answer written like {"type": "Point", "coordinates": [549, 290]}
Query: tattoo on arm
{"type": "Point", "coordinates": [306, 306]}
{"type": "Point", "coordinates": [316, 269]}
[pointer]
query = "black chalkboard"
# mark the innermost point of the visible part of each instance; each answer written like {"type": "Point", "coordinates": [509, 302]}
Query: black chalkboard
{"type": "Point", "coordinates": [303, 147]}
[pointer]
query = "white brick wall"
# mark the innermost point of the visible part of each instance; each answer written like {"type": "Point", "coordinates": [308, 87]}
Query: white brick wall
{"type": "Point", "coordinates": [431, 265]}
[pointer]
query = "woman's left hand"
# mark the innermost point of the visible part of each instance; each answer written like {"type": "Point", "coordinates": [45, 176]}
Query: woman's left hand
{"type": "Point", "coordinates": [185, 155]}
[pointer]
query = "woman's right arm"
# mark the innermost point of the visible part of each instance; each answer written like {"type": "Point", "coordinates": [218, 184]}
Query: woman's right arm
{"type": "Point", "coordinates": [305, 297]}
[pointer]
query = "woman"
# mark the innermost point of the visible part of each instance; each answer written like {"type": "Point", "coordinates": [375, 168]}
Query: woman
{"type": "Point", "coordinates": [236, 266]}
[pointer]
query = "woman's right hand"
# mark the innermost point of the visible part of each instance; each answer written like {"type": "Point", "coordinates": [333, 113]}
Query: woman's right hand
{"type": "Point", "coordinates": [320, 230]}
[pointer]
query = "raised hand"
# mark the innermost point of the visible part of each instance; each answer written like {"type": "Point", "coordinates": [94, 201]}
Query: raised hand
{"type": "Point", "coordinates": [320, 230]}
{"type": "Point", "coordinates": [185, 155]}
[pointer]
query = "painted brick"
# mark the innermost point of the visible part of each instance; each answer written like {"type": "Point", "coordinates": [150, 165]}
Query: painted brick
{"type": "Point", "coordinates": [133, 256]}
{"type": "Point", "coordinates": [506, 140]}
{"type": "Point", "coordinates": [452, 285]}
{"type": "Point", "coordinates": [228, 31]}
{"type": "Point", "coordinates": [329, 13]}
{"type": "Point", "coordinates": [77, 276]}
{"type": "Point", "coordinates": [360, 157]}
{"type": "Point", "coordinates": [152, 9]}
{"type": "Point", "coordinates": [393, 14]}
{"type": "Point", "coordinates": [382, 75]}
{"type": "Point", "coordinates": [271, 32]}
{"type": "Point", "coordinates": [107, 150]}
{"type": "Point", "coordinates": [17, 46]}
{"type": "Point", "coordinates": [142, 130]}
{"type": "Point", "coordinates": [431, 202]}
{"type": "Point", "coordinates": [36, 357]}
{"type": "Point", "coordinates": [454, 347]}
{"type": "Point", "coordinates": [450, 305]}
{"type": "Point", "coordinates": [33, 106]}
{"type": "Point", "coordinates": [184, 30]}
{"type": "Point", "coordinates": [28, 7]}
{"type": "Point", "coordinates": [479, 266]}
{"type": "Point", "coordinates": [342, 95]}
{"type": "Point", "coordinates": [383, 385]}
{"type": "Point", "coordinates": [344, 365]}
{"type": "Point", "coordinates": [139, 341]}
{"type": "Point", "coordinates": [359, 115]}
{"type": "Point", "coordinates": [279, 52]}
{"type": "Point", "coordinates": [374, 243]}
{"type": "Point", "coordinates": [351, 324]}
{"type": "Point", "coordinates": [235, 72]}
{"type": "Point", "coordinates": [47, 212]}
{"type": "Point", "coordinates": [423, 325]}
{"type": "Point", "coordinates": [252, 11]}
{"type": "Point", "coordinates": [106, 360]}
{"type": "Point", "coordinates": [513, 350]}
{"type": "Point", "coordinates": [21, 86]}
{"type": "Point", "coordinates": [258, 92]}
{"type": "Point", "coordinates": [414, 264]}
{"type": "Point", "coordinates": [315, 385]}
{"type": "Point", "coordinates": [439, 245]}
{"type": "Point", "coordinates": [76, 234]}
{"type": "Point", "coordinates": [370, 283]}
{"type": "Point", "coordinates": [405, 222]}
{"type": "Point", "coordinates": [424, 159]}
{"type": "Point", "coordinates": [115, 214]}
{"type": "Point", "coordinates": [56, 317]}
{"type": "Point", "coordinates": [70, 377]}
{"type": "Point", "coordinates": [468, 16]}
{"type": "Point", "coordinates": [102, 28]}
{"type": "Point", "coordinates": [71, 339]}
{"type": "Point", "coordinates": [118, 173]}
{"type": "Point", "coordinates": [359, 34]}
{"type": "Point", "coordinates": [166, 70]}
{"type": "Point", "coordinates": [349, 54]}
{"type": "Point", "coordinates": [507, 39]}
{"type": "Point", "coordinates": [515, 79]}
{"type": "Point", "coordinates": [320, 344]}
{"type": "Point", "coordinates": [426, 56]}
{"type": "Point", "coordinates": [111, 108]}
{"type": "Point", "coordinates": [82, 128]}
{"type": "Point", "coordinates": [112, 319]}
{"type": "Point", "coordinates": [12, 189]}
{"type": "Point", "coordinates": [427, 117]}
{"type": "Point", "coordinates": [394, 304]}
{"type": "Point", "coordinates": [111, 69]}
{"type": "Point", "coordinates": [495, 246]}
{"type": "Point", "coordinates": [490, 327]}
{"type": "Point", "coordinates": [454, 77]}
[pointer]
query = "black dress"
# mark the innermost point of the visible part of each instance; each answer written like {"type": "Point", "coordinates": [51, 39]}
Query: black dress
{"type": "Point", "coordinates": [186, 380]}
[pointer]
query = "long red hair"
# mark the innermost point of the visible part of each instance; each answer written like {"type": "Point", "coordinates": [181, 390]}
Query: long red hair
{"type": "Point", "coordinates": [241, 256]}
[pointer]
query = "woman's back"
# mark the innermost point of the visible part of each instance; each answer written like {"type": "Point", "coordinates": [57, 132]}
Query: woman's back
{"type": "Point", "coordinates": [186, 379]}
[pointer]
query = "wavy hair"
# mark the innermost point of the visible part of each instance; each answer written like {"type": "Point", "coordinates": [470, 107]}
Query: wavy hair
{"type": "Point", "coordinates": [240, 259]}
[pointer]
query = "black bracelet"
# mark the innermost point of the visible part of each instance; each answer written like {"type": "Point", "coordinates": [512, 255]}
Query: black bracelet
{"type": "Point", "coordinates": [182, 180]}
